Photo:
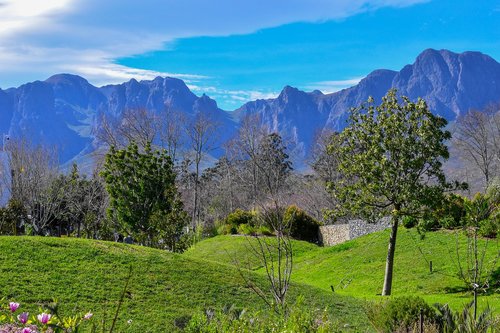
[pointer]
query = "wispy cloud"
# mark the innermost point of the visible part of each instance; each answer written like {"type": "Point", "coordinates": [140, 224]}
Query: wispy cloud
{"type": "Point", "coordinates": [40, 38]}
{"type": "Point", "coordinates": [233, 98]}
{"type": "Point", "coordinates": [333, 86]}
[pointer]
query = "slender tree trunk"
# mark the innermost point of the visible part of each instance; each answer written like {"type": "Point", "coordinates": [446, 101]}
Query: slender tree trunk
{"type": "Point", "coordinates": [389, 265]}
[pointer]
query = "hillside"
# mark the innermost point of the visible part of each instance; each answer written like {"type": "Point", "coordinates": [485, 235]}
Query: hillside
{"type": "Point", "coordinates": [356, 268]}
{"type": "Point", "coordinates": [90, 275]}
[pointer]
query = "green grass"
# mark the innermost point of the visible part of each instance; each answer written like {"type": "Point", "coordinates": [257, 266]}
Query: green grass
{"type": "Point", "coordinates": [89, 275]}
{"type": "Point", "coordinates": [356, 268]}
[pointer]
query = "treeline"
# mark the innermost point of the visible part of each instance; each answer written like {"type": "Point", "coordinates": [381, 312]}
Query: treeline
{"type": "Point", "coordinates": [152, 182]}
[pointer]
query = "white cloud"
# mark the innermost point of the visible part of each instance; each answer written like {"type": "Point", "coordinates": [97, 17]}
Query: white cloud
{"type": "Point", "coordinates": [333, 86]}
{"type": "Point", "coordinates": [40, 38]}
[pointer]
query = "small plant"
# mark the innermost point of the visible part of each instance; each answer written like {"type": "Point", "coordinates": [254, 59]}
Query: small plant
{"type": "Point", "coordinates": [47, 321]}
{"type": "Point", "coordinates": [399, 314]}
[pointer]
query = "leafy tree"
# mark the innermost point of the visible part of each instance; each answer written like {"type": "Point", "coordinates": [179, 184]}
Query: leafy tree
{"type": "Point", "coordinates": [391, 157]}
{"type": "Point", "coordinates": [143, 196]}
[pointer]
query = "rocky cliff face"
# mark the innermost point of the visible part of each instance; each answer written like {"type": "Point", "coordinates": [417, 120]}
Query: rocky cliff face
{"type": "Point", "coordinates": [65, 110]}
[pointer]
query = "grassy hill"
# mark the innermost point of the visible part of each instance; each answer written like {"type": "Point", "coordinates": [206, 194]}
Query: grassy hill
{"type": "Point", "coordinates": [356, 268]}
{"type": "Point", "coordinates": [90, 275]}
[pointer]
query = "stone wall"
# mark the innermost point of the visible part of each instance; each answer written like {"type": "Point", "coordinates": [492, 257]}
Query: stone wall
{"type": "Point", "coordinates": [333, 234]}
{"type": "Point", "coordinates": [338, 233]}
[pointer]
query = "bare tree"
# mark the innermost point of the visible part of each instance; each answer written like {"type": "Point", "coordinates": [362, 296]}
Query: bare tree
{"type": "Point", "coordinates": [244, 150]}
{"type": "Point", "coordinates": [171, 132]}
{"type": "Point", "coordinates": [276, 253]}
{"type": "Point", "coordinates": [138, 125]}
{"type": "Point", "coordinates": [474, 138]}
{"type": "Point", "coordinates": [34, 170]}
{"type": "Point", "coordinates": [202, 135]}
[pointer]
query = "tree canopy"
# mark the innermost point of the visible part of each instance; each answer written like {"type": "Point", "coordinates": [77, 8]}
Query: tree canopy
{"type": "Point", "coordinates": [142, 191]}
{"type": "Point", "coordinates": [390, 157]}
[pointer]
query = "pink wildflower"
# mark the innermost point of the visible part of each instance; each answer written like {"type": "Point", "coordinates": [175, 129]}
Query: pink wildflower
{"type": "Point", "coordinates": [44, 318]}
{"type": "Point", "coordinates": [88, 315]}
{"type": "Point", "coordinates": [13, 306]}
{"type": "Point", "coordinates": [23, 317]}
{"type": "Point", "coordinates": [26, 330]}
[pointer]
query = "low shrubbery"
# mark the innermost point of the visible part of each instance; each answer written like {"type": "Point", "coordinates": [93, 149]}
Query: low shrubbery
{"type": "Point", "coordinates": [231, 319]}
{"type": "Point", "coordinates": [301, 225]}
{"type": "Point", "coordinates": [402, 314]}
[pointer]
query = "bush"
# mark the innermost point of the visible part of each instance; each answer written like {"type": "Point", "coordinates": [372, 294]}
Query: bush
{"type": "Point", "coordinates": [246, 229]}
{"type": "Point", "coordinates": [489, 228]}
{"type": "Point", "coordinates": [428, 224]}
{"type": "Point", "coordinates": [409, 222]}
{"type": "Point", "coordinates": [240, 216]}
{"type": "Point", "coordinates": [302, 226]}
{"type": "Point", "coordinates": [265, 231]}
{"type": "Point", "coordinates": [400, 313]}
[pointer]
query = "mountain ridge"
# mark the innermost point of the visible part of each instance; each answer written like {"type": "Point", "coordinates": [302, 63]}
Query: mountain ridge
{"type": "Point", "coordinates": [65, 110]}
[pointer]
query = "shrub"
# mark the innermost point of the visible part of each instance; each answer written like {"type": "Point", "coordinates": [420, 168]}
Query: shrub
{"type": "Point", "coordinates": [409, 222]}
{"type": "Point", "coordinates": [428, 224]}
{"type": "Point", "coordinates": [240, 216]}
{"type": "Point", "coordinates": [265, 231]}
{"type": "Point", "coordinates": [302, 226]}
{"type": "Point", "coordinates": [400, 313]}
{"type": "Point", "coordinates": [246, 229]}
{"type": "Point", "coordinates": [489, 228]}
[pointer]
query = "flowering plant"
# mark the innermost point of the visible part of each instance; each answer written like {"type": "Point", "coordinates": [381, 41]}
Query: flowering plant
{"type": "Point", "coordinates": [47, 321]}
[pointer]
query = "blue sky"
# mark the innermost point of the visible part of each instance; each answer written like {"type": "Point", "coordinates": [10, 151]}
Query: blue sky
{"type": "Point", "coordinates": [235, 51]}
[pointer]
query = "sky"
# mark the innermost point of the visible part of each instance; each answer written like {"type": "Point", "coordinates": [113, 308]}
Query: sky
{"type": "Point", "coordinates": [235, 50]}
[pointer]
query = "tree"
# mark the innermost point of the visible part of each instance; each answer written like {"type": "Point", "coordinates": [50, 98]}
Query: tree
{"type": "Point", "coordinates": [34, 170]}
{"type": "Point", "coordinates": [475, 141]}
{"type": "Point", "coordinates": [391, 157]}
{"type": "Point", "coordinates": [202, 137]}
{"type": "Point", "coordinates": [141, 185]}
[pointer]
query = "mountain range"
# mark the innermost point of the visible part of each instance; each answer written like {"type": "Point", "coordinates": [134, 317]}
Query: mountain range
{"type": "Point", "coordinates": [66, 110]}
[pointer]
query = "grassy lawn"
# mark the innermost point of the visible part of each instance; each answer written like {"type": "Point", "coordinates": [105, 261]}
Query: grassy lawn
{"type": "Point", "coordinates": [356, 268]}
{"type": "Point", "coordinates": [90, 275]}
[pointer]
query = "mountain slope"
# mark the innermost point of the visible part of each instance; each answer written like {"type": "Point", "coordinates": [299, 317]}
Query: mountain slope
{"type": "Point", "coordinates": [66, 111]}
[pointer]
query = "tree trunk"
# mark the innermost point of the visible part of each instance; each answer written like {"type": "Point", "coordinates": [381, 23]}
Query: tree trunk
{"type": "Point", "coordinates": [389, 265]}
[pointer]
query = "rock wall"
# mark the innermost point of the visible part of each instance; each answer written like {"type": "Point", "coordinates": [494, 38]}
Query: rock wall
{"type": "Point", "coordinates": [338, 233]}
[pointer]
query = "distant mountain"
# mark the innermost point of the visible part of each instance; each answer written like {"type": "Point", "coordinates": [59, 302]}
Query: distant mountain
{"type": "Point", "coordinates": [451, 84]}
{"type": "Point", "coordinates": [65, 110]}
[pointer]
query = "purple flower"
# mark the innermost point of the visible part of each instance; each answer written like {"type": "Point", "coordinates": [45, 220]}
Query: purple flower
{"type": "Point", "coordinates": [44, 318]}
{"type": "Point", "coordinates": [26, 330]}
{"type": "Point", "coordinates": [23, 317]}
{"type": "Point", "coordinates": [88, 315]}
{"type": "Point", "coordinates": [13, 306]}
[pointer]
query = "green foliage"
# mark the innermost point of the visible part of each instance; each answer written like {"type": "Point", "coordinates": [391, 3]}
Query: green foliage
{"type": "Point", "coordinates": [246, 229]}
{"type": "Point", "coordinates": [240, 216]}
{"type": "Point", "coordinates": [463, 321]}
{"type": "Point", "coordinates": [399, 314]}
{"type": "Point", "coordinates": [231, 319]}
{"type": "Point", "coordinates": [391, 157]}
{"type": "Point", "coordinates": [409, 222]}
{"type": "Point", "coordinates": [143, 196]}
{"type": "Point", "coordinates": [302, 226]}
{"type": "Point", "coordinates": [11, 218]}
